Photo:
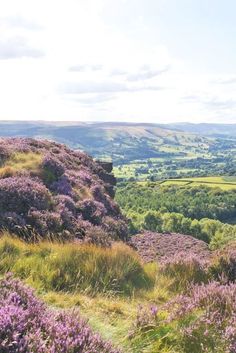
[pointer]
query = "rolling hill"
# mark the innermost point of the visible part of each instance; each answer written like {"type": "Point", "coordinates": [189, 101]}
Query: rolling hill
{"type": "Point", "coordinates": [142, 151]}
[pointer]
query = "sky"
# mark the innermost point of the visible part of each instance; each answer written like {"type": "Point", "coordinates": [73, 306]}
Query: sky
{"type": "Point", "coordinates": [154, 61]}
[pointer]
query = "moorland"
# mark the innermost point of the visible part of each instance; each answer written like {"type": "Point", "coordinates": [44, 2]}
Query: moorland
{"type": "Point", "coordinates": [147, 266]}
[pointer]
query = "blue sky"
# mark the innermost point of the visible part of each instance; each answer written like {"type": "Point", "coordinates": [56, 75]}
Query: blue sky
{"type": "Point", "coordinates": [129, 60]}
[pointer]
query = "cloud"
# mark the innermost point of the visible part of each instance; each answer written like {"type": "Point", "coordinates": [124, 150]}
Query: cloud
{"type": "Point", "coordinates": [226, 81]}
{"type": "Point", "coordinates": [145, 73]}
{"type": "Point", "coordinates": [94, 99]}
{"type": "Point", "coordinates": [17, 47]}
{"type": "Point", "coordinates": [20, 22]}
{"type": "Point", "coordinates": [220, 104]}
{"type": "Point", "coordinates": [213, 103]}
{"type": "Point", "coordinates": [91, 87]}
{"type": "Point", "coordinates": [118, 72]}
{"type": "Point", "coordinates": [102, 87]}
{"type": "Point", "coordinates": [85, 67]}
{"type": "Point", "coordinates": [191, 98]}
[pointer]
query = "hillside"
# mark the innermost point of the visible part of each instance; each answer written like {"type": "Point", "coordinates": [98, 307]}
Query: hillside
{"type": "Point", "coordinates": [216, 130]}
{"type": "Point", "coordinates": [159, 246]}
{"type": "Point", "coordinates": [95, 293]}
{"type": "Point", "coordinates": [143, 151]}
{"type": "Point", "coordinates": [46, 188]}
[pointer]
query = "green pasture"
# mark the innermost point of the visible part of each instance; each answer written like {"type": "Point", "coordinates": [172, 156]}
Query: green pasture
{"type": "Point", "coordinates": [223, 182]}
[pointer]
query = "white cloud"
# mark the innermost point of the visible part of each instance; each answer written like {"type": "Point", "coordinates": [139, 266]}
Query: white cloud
{"type": "Point", "coordinates": [17, 47]}
{"type": "Point", "coordinates": [76, 60]}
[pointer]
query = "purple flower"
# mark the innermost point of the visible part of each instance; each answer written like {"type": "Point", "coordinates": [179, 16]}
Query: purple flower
{"type": "Point", "coordinates": [67, 195]}
{"type": "Point", "coordinates": [27, 325]}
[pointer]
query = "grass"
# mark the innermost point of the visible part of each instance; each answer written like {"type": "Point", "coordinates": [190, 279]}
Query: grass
{"type": "Point", "coordinates": [107, 285]}
{"type": "Point", "coordinates": [21, 161]}
{"type": "Point", "coordinates": [111, 288]}
{"type": "Point", "coordinates": [224, 183]}
{"type": "Point", "coordinates": [113, 316]}
{"type": "Point", "coordinates": [75, 267]}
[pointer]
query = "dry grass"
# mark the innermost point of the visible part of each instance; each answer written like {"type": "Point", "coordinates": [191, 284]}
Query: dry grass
{"type": "Point", "coordinates": [20, 161]}
{"type": "Point", "coordinates": [75, 267]}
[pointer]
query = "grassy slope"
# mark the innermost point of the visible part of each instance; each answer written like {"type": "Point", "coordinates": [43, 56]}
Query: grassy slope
{"type": "Point", "coordinates": [51, 268]}
{"type": "Point", "coordinates": [70, 275]}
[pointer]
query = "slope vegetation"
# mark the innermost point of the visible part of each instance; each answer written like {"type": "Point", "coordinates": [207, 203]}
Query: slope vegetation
{"type": "Point", "coordinates": [46, 188]}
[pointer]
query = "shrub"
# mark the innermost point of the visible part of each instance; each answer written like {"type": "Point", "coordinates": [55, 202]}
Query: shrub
{"type": "Point", "coordinates": [92, 211]}
{"type": "Point", "coordinates": [184, 269]}
{"type": "Point", "coordinates": [62, 186]}
{"type": "Point", "coordinates": [53, 167]}
{"type": "Point", "coordinates": [205, 318]}
{"type": "Point", "coordinates": [48, 189]}
{"type": "Point", "coordinates": [44, 222]}
{"type": "Point", "coordinates": [27, 325]}
{"type": "Point", "coordinates": [19, 194]}
{"type": "Point", "coordinates": [201, 321]}
{"type": "Point", "coordinates": [96, 235]}
{"type": "Point", "coordinates": [116, 228]}
{"type": "Point", "coordinates": [223, 265]}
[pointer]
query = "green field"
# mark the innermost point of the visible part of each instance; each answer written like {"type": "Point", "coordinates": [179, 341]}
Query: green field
{"type": "Point", "coordinates": [223, 182]}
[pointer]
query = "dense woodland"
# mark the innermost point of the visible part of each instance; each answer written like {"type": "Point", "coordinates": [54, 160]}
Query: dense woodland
{"type": "Point", "coordinates": [204, 212]}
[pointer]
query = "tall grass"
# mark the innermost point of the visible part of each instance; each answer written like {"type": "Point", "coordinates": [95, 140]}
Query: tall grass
{"type": "Point", "coordinates": [19, 161]}
{"type": "Point", "coordinates": [74, 267]}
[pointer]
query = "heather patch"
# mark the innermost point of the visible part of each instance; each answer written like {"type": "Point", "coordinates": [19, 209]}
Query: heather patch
{"type": "Point", "coordinates": [159, 246]}
{"type": "Point", "coordinates": [206, 318]}
{"type": "Point", "coordinates": [27, 325]}
{"type": "Point", "coordinates": [200, 321]}
{"type": "Point", "coordinates": [48, 189]}
{"type": "Point", "coordinates": [185, 269]}
{"type": "Point", "coordinates": [223, 264]}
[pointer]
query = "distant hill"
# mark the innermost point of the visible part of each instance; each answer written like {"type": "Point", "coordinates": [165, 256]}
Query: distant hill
{"type": "Point", "coordinates": [216, 130]}
{"type": "Point", "coordinates": [136, 141]}
{"type": "Point", "coordinates": [140, 150]}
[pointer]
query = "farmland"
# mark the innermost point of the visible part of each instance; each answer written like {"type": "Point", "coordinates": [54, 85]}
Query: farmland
{"type": "Point", "coordinates": [222, 182]}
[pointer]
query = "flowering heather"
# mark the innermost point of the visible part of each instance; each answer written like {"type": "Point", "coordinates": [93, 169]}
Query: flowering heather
{"type": "Point", "coordinates": [208, 317]}
{"type": "Point", "coordinates": [62, 192]}
{"type": "Point", "coordinates": [201, 321]}
{"type": "Point", "coordinates": [53, 165]}
{"type": "Point", "coordinates": [157, 246]}
{"type": "Point", "coordinates": [185, 269]}
{"type": "Point", "coordinates": [28, 326]}
{"type": "Point", "coordinates": [18, 194]}
{"type": "Point", "coordinates": [223, 264]}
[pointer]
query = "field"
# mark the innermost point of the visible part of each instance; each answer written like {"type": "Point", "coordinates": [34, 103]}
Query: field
{"type": "Point", "coordinates": [222, 182]}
